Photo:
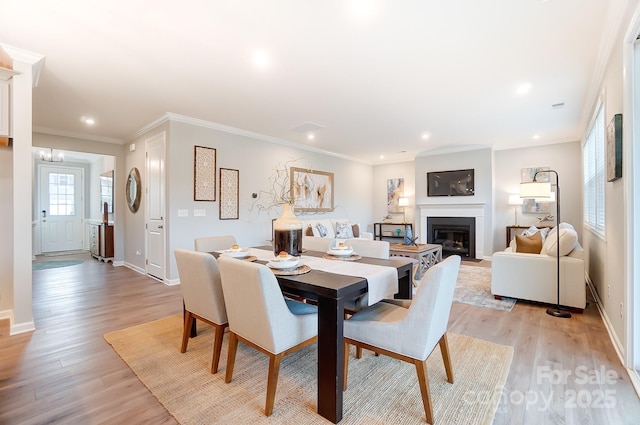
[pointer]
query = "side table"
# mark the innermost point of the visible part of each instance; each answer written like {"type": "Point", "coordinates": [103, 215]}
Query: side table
{"type": "Point", "coordinates": [426, 254]}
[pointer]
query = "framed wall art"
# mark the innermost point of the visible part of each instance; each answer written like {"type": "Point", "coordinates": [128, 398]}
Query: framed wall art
{"type": "Point", "coordinates": [204, 174]}
{"type": "Point", "coordinates": [311, 190]}
{"type": "Point", "coordinates": [614, 148]}
{"type": "Point", "coordinates": [229, 189]}
{"type": "Point", "coordinates": [530, 206]}
{"type": "Point", "coordinates": [395, 190]}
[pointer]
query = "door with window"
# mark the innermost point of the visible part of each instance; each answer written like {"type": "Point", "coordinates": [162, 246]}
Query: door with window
{"type": "Point", "coordinates": [61, 208]}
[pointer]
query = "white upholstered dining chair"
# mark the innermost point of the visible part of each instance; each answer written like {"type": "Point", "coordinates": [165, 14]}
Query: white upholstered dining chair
{"type": "Point", "coordinates": [262, 318]}
{"type": "Point", "coordinates": [203, 298]}
{"type": "Point", "coordinates": [410, 334]}
{"type": "Point", "coordinates": [214, 243]}
{"type": "Point", "coordinates": [367, 248]}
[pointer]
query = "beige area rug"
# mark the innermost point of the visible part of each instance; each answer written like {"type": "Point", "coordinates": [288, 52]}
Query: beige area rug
{"type": "Point", "coordinates": [474, 288]}
{"type": "Point", "coordinates": [381, 390]}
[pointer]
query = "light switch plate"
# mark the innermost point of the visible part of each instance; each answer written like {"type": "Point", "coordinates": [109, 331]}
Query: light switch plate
{"type": "Point", "coordinates": [183, 213]}
{"type": "Point", "coordinates": [199, 213]}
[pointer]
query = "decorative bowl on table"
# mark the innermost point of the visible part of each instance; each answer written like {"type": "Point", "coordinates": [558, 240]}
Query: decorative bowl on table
{"type": "Point", "coordinates": [284, 263]}
{"type": "Point", "coordinates": [340, 250]}
{"type": "Point", "coordinates": [236, 252]}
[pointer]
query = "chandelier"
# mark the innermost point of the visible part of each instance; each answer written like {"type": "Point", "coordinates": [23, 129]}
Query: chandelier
{"type": "Point", "coordinates": [49, 157]}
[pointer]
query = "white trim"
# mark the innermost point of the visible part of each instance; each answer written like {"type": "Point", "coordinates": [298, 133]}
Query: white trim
{"type": "Point", "coordinates": [74, 135]}
{"type": "Point", "coordinates": [22, 328]}
{"type": "Point", "coordinates": [631, 162]}
{"type": "Point", "coordinates": [455, 210]}
{"type": "Point", "coordinates": [34, 59]}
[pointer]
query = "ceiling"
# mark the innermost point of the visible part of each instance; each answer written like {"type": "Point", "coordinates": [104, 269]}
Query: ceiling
{"type": "Point", "coordinates": [391, 78]}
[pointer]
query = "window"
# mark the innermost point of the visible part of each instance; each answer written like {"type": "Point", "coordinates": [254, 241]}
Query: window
{"type": "Point", "coordinates": [61, 194]}
{"type": "Point", "coordinates": [594, 174]}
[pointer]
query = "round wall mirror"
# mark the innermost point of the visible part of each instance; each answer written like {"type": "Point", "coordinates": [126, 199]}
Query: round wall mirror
{"type": "Point", "coordinates": [133, 190]}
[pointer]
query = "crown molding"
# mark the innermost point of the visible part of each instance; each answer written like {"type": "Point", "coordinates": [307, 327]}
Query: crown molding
{"type": "Point", "coordinates": [82, 136]}
{"type": "Point", "coordinates": [34, 59]}
{"type": "Point", "coordinates": [172, 117]}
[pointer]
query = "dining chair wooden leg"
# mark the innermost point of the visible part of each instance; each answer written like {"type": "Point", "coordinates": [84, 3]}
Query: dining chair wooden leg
{"type": "Point", "coordinates": [272, 381]}
{"type": "Point", "coordinates": [358, 352]}
{"type": "Point", "coordinates": [217, 347]}
{"type": "Point", "coordinates": [186, 332]}
{"type": "Point", "coordinates": [231, 358]}
{"type": "Point", "coordinates": [345, 369]}
{"type": "Point", "coordinates": [446, 357]}
{"type": "Point", "coordinates": [423, 380]}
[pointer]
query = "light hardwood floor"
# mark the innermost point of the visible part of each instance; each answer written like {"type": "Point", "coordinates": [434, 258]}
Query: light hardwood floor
{"type": "Point", "coordinates": [65, 372]}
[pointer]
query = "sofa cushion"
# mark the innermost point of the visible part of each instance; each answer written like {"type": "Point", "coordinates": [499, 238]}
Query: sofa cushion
{"type": "Point", "coordinates": [568, 240]}
{"type": "Point", "coordinates": [322, 230]}
{"type": "Point", "coordinates": [529, 244]}
{"type": "Point", "coordinates": [355, 229]}
{"type": "Point", "coordinates": [344, 230]}
{"type": "Point", "coordinates": [308, 231]}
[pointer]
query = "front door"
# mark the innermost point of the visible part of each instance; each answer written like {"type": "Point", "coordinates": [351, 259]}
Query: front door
{"type": "Point", "coordinates": [61, 208]}
{"type": "Point", "coordinates": [155, 264]}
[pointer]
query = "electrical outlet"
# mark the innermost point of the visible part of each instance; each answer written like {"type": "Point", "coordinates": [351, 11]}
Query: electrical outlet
{"type": "Point", "coordinates": [138, 252]}
{"type": "Point", "coordinates": [199, 213]}
{"type": "Point", "coordinates": [608, 291]}
{"type": "Point", "coordinates": [621, 310]}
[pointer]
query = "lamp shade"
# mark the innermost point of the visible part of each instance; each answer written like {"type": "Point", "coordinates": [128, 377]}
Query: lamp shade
{"type": "Point", "coordinates": [515, 199]}
{"type": "Point", "coordinates": [403, 202]}
{"type": "Point", "coordinates": [529, 190]}
{"type": "Point", "coordinates": [548, 200]}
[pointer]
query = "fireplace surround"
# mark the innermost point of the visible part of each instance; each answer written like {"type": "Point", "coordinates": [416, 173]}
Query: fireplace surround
{"type": "Point", "coordinates": [475, 210]}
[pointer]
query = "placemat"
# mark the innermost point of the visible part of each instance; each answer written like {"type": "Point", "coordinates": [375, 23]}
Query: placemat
{"type": "Point", "coordinates": [298, 270]}
{"type": "Point", "coordinates": [250, 258]}
{"type": "Point", "coordinates": [352, 257]}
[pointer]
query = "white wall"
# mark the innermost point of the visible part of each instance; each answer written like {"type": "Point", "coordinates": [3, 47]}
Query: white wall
{"type": "Point", "coordinates": [256, 161]}
{"type": "Point", "coordinates": [382, 173]}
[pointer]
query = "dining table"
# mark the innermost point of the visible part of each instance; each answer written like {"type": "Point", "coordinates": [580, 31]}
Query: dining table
{"type": "Point", "coordinates": [331, 291]}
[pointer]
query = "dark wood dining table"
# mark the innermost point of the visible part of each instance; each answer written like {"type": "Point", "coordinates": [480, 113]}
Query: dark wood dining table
{"type": "Point", "coordinates": [331, 291]}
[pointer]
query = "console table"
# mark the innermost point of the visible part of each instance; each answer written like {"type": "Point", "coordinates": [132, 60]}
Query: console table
{"type": "Point", "coordinates": [426, 254]}
{"type": "Point", "coordinates": [390, 230]}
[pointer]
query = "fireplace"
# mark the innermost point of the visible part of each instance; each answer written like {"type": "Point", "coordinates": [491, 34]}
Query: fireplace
{"type": "Point", "coordinates": [456, 235]}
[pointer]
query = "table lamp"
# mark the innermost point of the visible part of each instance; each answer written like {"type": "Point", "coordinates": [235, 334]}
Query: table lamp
{"type": "Point", "coordinates": [516, 201]}
{"type": "Point", "coordinates": [403, 202]}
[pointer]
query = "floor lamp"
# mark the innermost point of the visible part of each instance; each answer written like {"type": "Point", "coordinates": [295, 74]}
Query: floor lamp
{"type": "Point", "coordinates": [535, 189]}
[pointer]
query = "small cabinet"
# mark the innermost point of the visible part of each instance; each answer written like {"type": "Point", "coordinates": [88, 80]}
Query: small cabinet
{"type": "Point", "coordinates": [101, 241]}
{"type": "Point", "coordinates": [383, 231]}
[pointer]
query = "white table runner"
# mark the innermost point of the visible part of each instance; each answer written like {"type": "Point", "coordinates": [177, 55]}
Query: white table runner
{"type": "Point", "coordinates": [382, 280]}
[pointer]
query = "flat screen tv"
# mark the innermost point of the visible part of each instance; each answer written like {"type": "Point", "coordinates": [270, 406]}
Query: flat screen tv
{"type": "Point", "coordinates": [450, 183]}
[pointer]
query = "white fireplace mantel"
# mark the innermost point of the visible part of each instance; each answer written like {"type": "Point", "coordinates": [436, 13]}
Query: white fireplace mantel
{"type": "Point", "coordinates": [475, 210]}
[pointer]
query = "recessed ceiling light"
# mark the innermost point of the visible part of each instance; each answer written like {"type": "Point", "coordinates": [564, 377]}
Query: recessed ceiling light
{"type": "Point", "coordinates": [87, 120]}
{"type": "Point", "coordinates": [381, 156]}
{"type": "Point", "coordinates": [363, 9]}
{"type": "Point", "coordinates": [523, 88]}
{"type": "Point", "coordinates": [260, 59]}
{"type": "Point", "coordinates": [425, 136]}
{"type": "Point", "coordinates": [536, 136]}
{"type": "Point", "coordinates": [311, 136]}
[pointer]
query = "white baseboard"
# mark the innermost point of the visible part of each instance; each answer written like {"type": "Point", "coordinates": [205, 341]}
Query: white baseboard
{"type": "Point", "coordinates": [22, 328]}
{"type": "Point", "coordinates": [134, 268]}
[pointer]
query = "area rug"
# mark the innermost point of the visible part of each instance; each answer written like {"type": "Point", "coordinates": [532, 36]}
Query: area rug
{"type": "Point", "coordinates": [54, 264]}
{"type": "Point", "coordinates": [474, 288]}
{"type": "Point", "coordinates": [381, 390]}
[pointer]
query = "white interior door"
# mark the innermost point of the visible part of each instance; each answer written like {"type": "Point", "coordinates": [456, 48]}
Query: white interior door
{"type": "Point", "coordinates": [155, 172]}
{"type": "Point", "coordinates": [61, 208]}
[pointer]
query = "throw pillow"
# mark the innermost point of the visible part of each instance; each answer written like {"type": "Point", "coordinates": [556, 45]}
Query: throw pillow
{"type": "Point", "coordinates": [530, 231]}
{"type": "Point", "coordinates": [309, 231]}
{"type": "Point", "coordinates": [322, 229]}
{"type": "Point", "coordinates": [568, 239]}
{"type": "Point", "coordinates": [529, 244]}
{"type": "Point", "coordinates": [343, 230]}
{"type": "Point", "coordinates": [355, 229]}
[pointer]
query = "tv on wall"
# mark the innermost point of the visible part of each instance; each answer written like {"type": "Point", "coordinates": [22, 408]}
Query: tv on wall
{"type": "Point", "coordinates": [450, 183]}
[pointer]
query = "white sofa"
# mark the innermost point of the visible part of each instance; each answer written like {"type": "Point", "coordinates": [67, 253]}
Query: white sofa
{"type": "Point", "coordinates": [334, 228]}
{"type": "Point", "coordinates": [533, 276]}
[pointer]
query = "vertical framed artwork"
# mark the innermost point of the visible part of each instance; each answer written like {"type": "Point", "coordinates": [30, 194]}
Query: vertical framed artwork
{"type": "Point", "coordinates": [614, 148]}
{"type": "Point", "coordinates": [229, 189]}
{"type": "Point", "coordinates": [204, 174]}
{"type": "Point", "coordinates": [395, 190]}
{"type": "Point", "coordinates": [311, 190]}
{"type": "Point", "coordinates": [530, 206]}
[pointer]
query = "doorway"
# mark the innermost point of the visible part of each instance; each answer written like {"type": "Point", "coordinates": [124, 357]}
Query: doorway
{"type": "Point", "coordinates": [61, 207]}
